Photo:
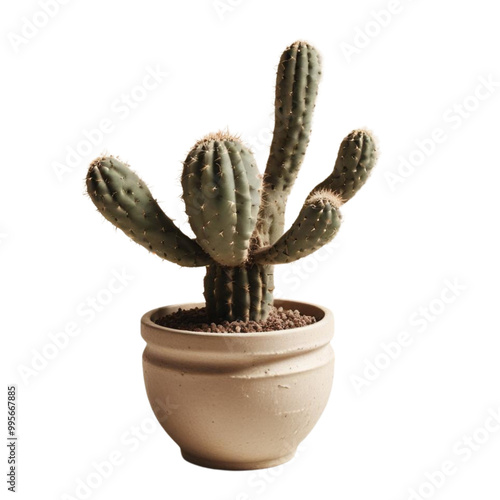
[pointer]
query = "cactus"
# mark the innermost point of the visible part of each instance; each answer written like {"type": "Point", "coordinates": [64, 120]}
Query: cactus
{"type": "Point", "coordinates": [221, 190]}
{"type": "Point", "coordinates": [237, 216]}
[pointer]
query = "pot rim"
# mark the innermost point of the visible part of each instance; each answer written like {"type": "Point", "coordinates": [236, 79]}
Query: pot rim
{"type": "Point", "coordinates": [230, 350]}
{"type": "Point", "coordinates": [327, 317]}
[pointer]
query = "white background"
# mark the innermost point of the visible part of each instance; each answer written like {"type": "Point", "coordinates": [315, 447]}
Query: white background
{"type": "Point", "coordinates": [384, 428]}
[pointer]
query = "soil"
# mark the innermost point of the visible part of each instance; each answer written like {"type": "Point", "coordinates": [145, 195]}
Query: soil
{"type": "Point", "coordinates": [196, 320]}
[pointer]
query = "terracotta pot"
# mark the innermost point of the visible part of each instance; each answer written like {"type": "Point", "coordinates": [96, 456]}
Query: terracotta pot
{"type": "Point", "coordinates": [238, 401]}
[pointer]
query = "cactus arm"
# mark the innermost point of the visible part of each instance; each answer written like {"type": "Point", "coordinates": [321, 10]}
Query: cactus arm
{"type": "Point", "coordinates": [221, 189]}
{"type": "Point", "coordinates": [356, 158]}
{"type": "Point", "coordinates": [316, 225]}
{"type": "Point", "coordinates": [297, 82]}
{"type": "Point", "coordinates": [319, 219]}
{"type": "Point", "coordinates": [124, 199]}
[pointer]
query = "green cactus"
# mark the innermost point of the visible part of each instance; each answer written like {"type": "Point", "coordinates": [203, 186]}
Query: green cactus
{"type": "Point", "coordinates": [237, 216]}
{"type": "Point", "coordinates": [299, 72]}
{"type": "Point", "coordinates": [221, 190]}
{"type": "Point", "coordinates": [124, 199]}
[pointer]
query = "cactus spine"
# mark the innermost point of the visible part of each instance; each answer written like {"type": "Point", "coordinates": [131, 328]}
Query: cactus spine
{"type": "Point", "coordinates": [238, 217]}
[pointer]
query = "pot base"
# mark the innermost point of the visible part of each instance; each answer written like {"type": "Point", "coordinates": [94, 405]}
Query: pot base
{"type": "Point", "coordinates": [215, 464]}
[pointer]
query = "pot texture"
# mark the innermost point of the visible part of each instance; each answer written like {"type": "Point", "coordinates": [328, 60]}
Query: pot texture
{"type": "Point", "coordinates": [238, 401]}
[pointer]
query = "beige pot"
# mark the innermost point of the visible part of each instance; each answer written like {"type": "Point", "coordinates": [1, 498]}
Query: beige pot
{"type": "Point", "coordinates": [239, 401]}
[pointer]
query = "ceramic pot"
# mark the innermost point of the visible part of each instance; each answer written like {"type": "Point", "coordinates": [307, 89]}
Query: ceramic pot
{"type": "Point", "coordinates": [239, 400]}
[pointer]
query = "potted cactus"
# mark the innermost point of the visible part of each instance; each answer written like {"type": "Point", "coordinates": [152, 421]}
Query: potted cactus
{"type": "Point", "coordinates": [249, 376]}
